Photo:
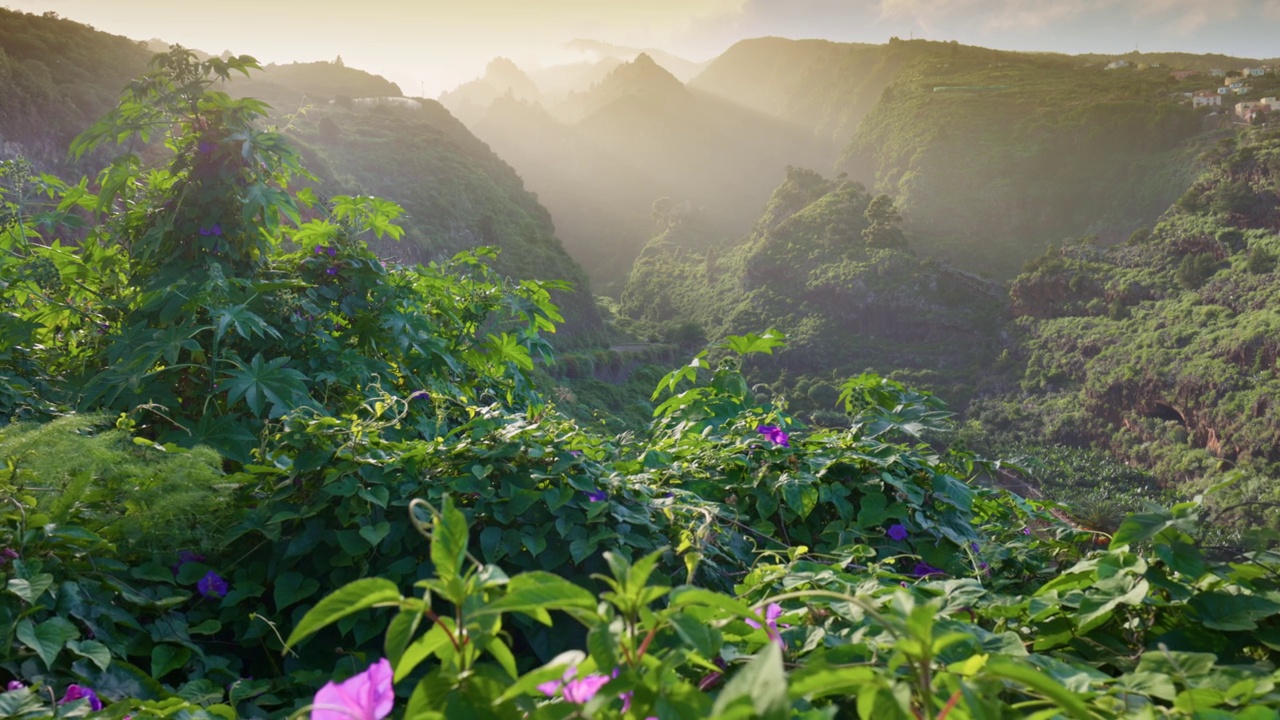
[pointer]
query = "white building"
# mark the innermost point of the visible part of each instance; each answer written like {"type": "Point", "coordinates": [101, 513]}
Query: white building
{"type": "Point", "coordinates": [1116, 65]}
{"type": "Point", "coordinates": [1206, 99]}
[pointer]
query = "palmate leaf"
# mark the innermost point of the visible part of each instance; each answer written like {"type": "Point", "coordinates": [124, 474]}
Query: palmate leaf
{"type": "Point", "coordinates": [246, 322]}
{"type": "Point", "coordinates": [265, 380]}
{"type": "Point", "coordinates": [751, 343]}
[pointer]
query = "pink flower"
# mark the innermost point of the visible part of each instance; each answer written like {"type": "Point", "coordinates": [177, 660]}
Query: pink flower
{"type": "Point", "coordinates": [367, 696]}
{"type": "Point", "coordinates": [576, 689]}
{"type": "Point", "coordinates": [771, 615]}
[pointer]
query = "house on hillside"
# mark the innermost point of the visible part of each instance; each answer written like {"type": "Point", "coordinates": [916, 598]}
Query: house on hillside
{"type": "Point", "coordinates": [1183, 74]}
{"type": "Point", "coordinates": [400, 101]}
{"type": "Point", "coordinates": [1254, 72]}
{"type": "Point", "coordinates": [1247, 107]}
{"type": "Point", "coordinates": [1116, 65]}
{"type": "Point", "coordinates": [1224, 90]}
{"type": "Point", "coordinates": [1272, 103]}
{"type": "Point", "coordinates": [1242, 89]}
{"type": "Point", "coordinates": [1218, 72]}
{"type": "Point", "coordinates": [1206, 99]}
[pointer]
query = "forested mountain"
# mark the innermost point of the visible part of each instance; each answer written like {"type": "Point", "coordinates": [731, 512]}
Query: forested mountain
{"type": "Point", "coordinates": [827, 261]}
{"type": "Point", "coordinates": [993, 154]}
{"type": "Point", "coordinates": [1164, 350]}
{"type": "Point", "coordinates": [600, 158]}
{"type": "Point", "coordinates": [57, 75]}
{"type": "Point", "coordinates": [990, 154]}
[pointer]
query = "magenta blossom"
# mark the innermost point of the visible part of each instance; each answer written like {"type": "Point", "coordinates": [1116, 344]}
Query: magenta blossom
{"type": "Point", "coordinates": [212, 585]}
{"type": "Point", "coordinates": [775, 435]}
{"type": "Point", "coordinates": [574, 689]}
{"type": "Point", "coordinates": [8, 554]}
{"type": "Point", "coordinates": [898, 532]}
{"type": "Point", "coordinates": [366, 696]}
{"type": "Point", "coordinates": [76, 692]}
{"type": "Point", "coordinates": [14, 685]}
{"type": "Point", "coordinates": [771, 615]}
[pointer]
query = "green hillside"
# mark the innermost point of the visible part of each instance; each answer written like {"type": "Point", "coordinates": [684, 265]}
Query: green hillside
{"type": "Point", "coordinates": [457, 194]}
{"type": "Point", "coordinates": [994, 154]}
{"type": "Point", "coordinates": [1164, 350]}
{"type": "Point", "coordinates": [57, 77]}
{"type": "Point", "coordinates": [850, 305]}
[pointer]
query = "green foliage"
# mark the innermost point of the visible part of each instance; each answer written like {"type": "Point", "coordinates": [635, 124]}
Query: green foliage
{"type": "Point", "coordinates": [134, 495]}
{"type": "Point", "coordinates": [232, 309]}
{"type": "Point", "coordinates": [1163, 353]}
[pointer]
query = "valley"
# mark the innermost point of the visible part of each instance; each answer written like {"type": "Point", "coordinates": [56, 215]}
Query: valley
{"type": "Point", "coordinates": [807, 379]}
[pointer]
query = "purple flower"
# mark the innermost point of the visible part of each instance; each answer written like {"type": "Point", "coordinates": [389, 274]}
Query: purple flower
{"type": "Point", "coordinates": [76, 692]}
{"type": "Point", "coordinates": [924, 570]}
{"type": "Point", "coordinates": [332, 270]}
{"type": "Point", "coordinates": [420, 395]}
{"type": "Point", "coordinates": [14, 685]}
{"type": "Point", "coordinates": [1026, 531]}
{"type": "Point", "coordinates": [212, 585]}
{"type": "Point", "coordinates": [215, 230]}
{"type": "Point", "coordinates": [185, 557]}
{"type": "Point", "coordinates": [898, 532]}
{"type": "Point", "coordinates": [206, 147]}
{"type": "Point", "coordinates": [974, 546]}
{"type": "Point", "coordinates": [598, 496]}
{"type": "Point", "coordinates": [319, 250]}
{"type": "Point", "coordinates": [771, 615]}
{"type": "Point", "coordinates": [367, 696]}
{"type": "Point", "coordinates": [332, 250]}
{"type": "Point", "coordinates": [775, 435]}
{"type": "Point", "coordinates": [8, 554]}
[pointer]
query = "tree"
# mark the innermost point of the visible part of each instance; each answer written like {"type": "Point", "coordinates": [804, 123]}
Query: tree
{"type": "Point", "coordinates": [338, 62]}
{"type": "Point", "coordinates": [882, 225]}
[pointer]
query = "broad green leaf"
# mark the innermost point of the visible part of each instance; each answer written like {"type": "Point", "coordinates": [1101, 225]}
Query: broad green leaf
{"type": "Point", "coordinates": [165, 658]}
{"type": "Point", "coordinates": [449, 542]}
{"type": "Point", "coordinates": [1227, 612]}
{"type": "Point", "coordinates": [291, 587]}
{"type": "Point", "coordinates": [48, 638]}
{"type": "Point", "coordinates": [759, 689]}
{"type": "Point", "coordinates": [537, 590]}
{"type": "Point", "coordinates": [30, 590]}
{"type": "Point", "coordinates": [350, 598]}
{"type": "Point", "coordinates": [1139, 527]}
{"type": "Point", "coordinates": [421, 649]}
{"type": "Point", "coordinates": [95, 651]}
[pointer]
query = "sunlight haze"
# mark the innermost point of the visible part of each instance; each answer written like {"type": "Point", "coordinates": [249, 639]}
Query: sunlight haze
{"type": "Point", "coordinates": [431, 46]}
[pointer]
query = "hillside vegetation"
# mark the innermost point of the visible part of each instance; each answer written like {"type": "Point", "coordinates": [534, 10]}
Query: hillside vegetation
{"type": "Point", "coordinates": [375, 509]}
{"type": "Point", "coordinates": [993, 154]}
{"type": "Point", "coordinates": [1164, 350]}
{"type": "Point", "coordinates": [854, 299]}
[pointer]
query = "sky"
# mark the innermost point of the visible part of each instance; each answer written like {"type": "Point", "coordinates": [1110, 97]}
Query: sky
{"type": "Point", "coordinates": [428, 46]}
